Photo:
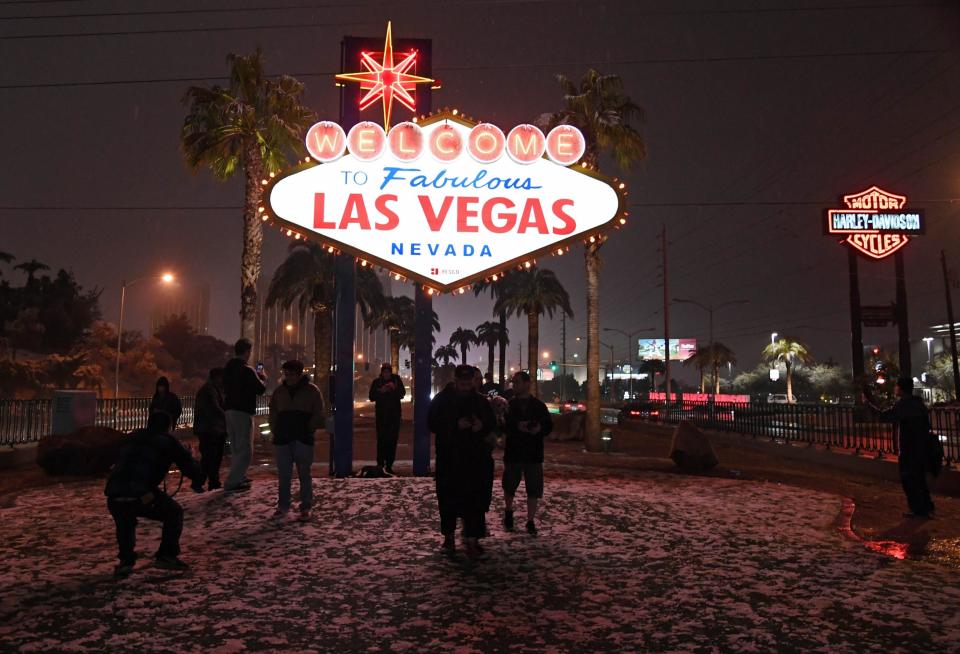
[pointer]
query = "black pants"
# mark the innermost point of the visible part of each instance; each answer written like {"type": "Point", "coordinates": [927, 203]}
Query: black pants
{"type": "Point", "coordinates": [914, 481]}
{"type": "Point", "coordinates": [162, 508]}
{"type": "Point", "coordinates": [388, 433]}
{"type": "Point", "coordinates": [211, 456]}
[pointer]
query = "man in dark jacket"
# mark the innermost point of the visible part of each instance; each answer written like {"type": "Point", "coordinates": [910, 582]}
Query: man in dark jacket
{"type": "Point", "coordinates": [166, 402]}
{"type": "Point", "coordinates": [387, 390]}
{"type": "Point", "coordinates": [528, 424]}
{"type": "Point", "coordinates": [133, 491]}
{"type": "Point", "coordinates": [296, 413]}
{"type": "Point", "coordinates": [241, 386]}
{"type": "Point", "coordinates": [210, 427]}
{"type": "Point", "coordinates": [462, 420]}
{"type": "Point", "coordinates": [913, 421]}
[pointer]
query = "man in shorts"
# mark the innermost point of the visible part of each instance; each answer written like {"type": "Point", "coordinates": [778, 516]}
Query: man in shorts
{"type": "Point", "coordinates": [528, 424]}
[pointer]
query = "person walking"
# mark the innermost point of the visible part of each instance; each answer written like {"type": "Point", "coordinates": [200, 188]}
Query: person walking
{"type": "Point", "coordinates": [913, 421]}
{"type": "Point", "coordinates": [461, 419]}
{"type": "Point", "coordinates": [296, 413]}
{"type": "Point", "coordinates": [210, 427]}
{"type": "Point", "coordinates": [386, 391]}
{"type": "Point", "coordinates": [133, 491]}
{"type": "Point", "coordinates": [241, 386]}
{"type": "Point", "coordinates": [528, 424]}
{"type": "Point", "coordinates": [166, 402]}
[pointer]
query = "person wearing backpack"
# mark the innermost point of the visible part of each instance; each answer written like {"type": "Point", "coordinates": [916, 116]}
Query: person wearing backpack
{"type": "Point", "coordinates": [913, 421]}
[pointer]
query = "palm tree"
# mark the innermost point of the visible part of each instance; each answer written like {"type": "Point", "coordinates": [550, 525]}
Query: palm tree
{"type": "Point", "coordinates": [601, 110]}
{"type": "Point", "coordinates": [306, 278]}
{"type": "Point", "coordinates": [398, 315]}
{"type": "Point", "coordinates": [31, 267]}
{"type": "Point", "coordinates": [445, 353]}
{"type": "Point", "coordinates": [720, 355]}
{"type": "Point", "coordinates": [789, 352]}
{"type": "Point", "coordinates": [5, 257]}
{"type": "Point", "coordinates": [489, 334]}
{"type": "Point", "coordinates": [407, 334]}
{"type": "Point", "coordinates": [531, 293]}
{"type": "Point", "coordinates": [250, 125]}
{"type": "Point", "coordinates": [494, 288]}
{"type": "Point", "coordinates": [463, 339]}
{"type": "Point", "coordinates": [700, 359]}
{"type": "Point", "coordinates": [275, 352]}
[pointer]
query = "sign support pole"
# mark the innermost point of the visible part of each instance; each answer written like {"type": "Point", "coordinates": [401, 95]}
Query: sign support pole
{"type": "Point", "coordinates": [422, 382]}
{"type": "Point", "coordinates": [903, 325]}
{"type": "Point", "coordinates": [856, 327]}
{"type": "Point", "coordinates": [343, 356]}
{"type": "Point", "coordinates": [953, 330]}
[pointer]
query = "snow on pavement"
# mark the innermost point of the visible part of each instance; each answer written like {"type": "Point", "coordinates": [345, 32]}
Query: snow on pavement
{"type": "Point", "coordinates": [624, 562]}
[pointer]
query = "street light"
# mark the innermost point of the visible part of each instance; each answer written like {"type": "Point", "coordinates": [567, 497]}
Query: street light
{"type": "Point", "coordinates": [928, 340]}
{"type": "Point", "coordinates": [629, 336]}
{"type": "Point", "coordinates": [546, 355]}
{"type": "Point", "coordinates": [773, 338]}
{"type": "Point", "coordinates": [166, 278]}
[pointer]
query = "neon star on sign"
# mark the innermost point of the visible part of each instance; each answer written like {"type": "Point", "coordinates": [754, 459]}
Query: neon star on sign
{"type": "Point", "coordinates": [387, 80]}
{"type": "Point", "coordinates": [875, 222]}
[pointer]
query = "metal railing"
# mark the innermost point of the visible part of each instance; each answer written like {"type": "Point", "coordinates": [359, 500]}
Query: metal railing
{"type": "Point", "coordinates": [833, 426]}
{"type": "Point", "coordinates": [26, 421]}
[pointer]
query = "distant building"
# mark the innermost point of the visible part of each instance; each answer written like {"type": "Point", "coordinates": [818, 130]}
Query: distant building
{"type": "Point", "coordinates": [192, 302]}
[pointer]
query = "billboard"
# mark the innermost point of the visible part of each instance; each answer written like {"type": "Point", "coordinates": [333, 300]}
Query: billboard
{"type": "Point", "coordinates": [681, 349]}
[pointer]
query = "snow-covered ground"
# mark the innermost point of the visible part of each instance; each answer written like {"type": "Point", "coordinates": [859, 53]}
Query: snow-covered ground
{"type": "Point", "coordinates": [624, 562]}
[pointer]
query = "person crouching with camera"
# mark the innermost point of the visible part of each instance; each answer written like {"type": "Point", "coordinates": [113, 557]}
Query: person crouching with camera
{"type": "Point", "coordinates": [133, 491]}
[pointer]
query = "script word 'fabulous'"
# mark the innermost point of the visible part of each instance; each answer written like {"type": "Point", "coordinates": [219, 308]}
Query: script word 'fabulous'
{"type": "Point", "coordinates": [525, 144]}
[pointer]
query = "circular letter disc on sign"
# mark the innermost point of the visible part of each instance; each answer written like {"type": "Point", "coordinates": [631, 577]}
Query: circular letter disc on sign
{"type": "Point", "coordinates": [406, 141]}
{"type": "Point", "coordinates": [367, 140]}
{"type": "Point", "coordinates": [486, 143]}
{"type": "Point", "coordinates": [525, 144]}
{"type": "Point", "coordinates": [446, 144]}
{"type": "Point", "coordinates": [326, 141]}
{"type": "Point", "coordinates": [565, 145]}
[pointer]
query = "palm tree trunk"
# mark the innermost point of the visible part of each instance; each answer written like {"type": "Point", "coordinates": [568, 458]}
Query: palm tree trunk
{"type": "Point", "coordinates": [789, 382]}
{"type": "Point", "coordinates": [716, 378]}
{"type": "Point", "coordinates": [503, 349]}
{"type": "Point", "coordinates": [592, 260]}
{"type": "Point", "coordinates": [395, 351]}
{"type": "Point", "coordinates": [533, 348]}
{"type": "Point", "coordinates": [252, 242]}
{"type": "Point", "coordinates": [701, 379]}
{"type": "Point", "coordinates": [490, 347]}
{"type": "Point", "coordinates": [323, 351]}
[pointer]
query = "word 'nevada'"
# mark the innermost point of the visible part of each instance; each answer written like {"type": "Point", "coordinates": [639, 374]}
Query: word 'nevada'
{"type": "Point", "coordinates": [486, 143]}
{"type": "Point", "coordinates": [497, 215]}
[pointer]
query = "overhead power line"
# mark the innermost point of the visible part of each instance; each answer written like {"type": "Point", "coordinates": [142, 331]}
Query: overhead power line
{"type": "Point", "coordinates": [515, 65]}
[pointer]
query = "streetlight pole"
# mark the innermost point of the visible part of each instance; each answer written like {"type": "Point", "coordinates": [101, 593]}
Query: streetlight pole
{"type": "Point", "coordinates": [167, 278]}
{"type": "Point", "coordinates": [629, 336]}
{"type": "Point", "coordinates": [773, 338]}
{"type": "Point", "coordinates": [928, 340]}
{"type": "Point", "coordinates": [710, 309]}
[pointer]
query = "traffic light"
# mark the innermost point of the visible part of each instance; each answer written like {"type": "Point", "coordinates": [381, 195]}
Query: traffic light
{"type": "Point", "coordinates": [553, 366]}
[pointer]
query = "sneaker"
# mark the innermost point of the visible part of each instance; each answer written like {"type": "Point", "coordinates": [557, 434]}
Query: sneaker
{"type": "Point", "coordinates": [239, 488]}
{"type": "Point", "coordinates": [508, 520]}
{"type": "Point", "coordinates": [449, 544]}
{"type": "Point", "coordinates": [197, 488]}
{"type": "Point", "coordinates": [123, 570]}
{"type": "Point", "coordinates": [215, 486]}
{"type": "Point", "coordinates": [474, 550]}
{"type": "Point", "coordinates": [531, 528]}
{"type": "Point", "coordinates": [171, 563]}
{"type": "Point", "coordinates": [304, 515]}
{"type": "Point", "coordinates": [387, 472]}
{"type": "Point", "coordinates": [279, 514]}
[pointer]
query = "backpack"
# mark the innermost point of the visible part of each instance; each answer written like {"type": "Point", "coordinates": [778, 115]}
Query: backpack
{"type": "Point", "coordinates": [934, 454]}
{"type": "Point", "coordinates": [371, 472]}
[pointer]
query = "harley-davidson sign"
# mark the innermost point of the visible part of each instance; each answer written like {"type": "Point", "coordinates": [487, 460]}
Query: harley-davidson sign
{"type": "Point", "coordinates": [875, 222]}
{"type": "Point", "coordinates": [445, 201]}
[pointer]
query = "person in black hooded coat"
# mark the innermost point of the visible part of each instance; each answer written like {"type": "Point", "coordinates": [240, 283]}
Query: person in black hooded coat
{"type": "Point", "coordinates": [165, 401]}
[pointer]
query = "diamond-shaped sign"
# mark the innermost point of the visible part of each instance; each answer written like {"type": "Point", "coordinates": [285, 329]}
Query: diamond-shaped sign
{"type": "Point", "coordinates": [445, 214]}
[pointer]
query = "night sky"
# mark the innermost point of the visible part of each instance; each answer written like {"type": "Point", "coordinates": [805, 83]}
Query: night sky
{"type": "Point", "coordinates": [760, 113]}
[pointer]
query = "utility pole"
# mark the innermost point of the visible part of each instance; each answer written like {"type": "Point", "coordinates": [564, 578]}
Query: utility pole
{"type": "Point", "coordinates": [666, 313]}
{"type": "Point", "coordinates": [903, 322]}
{"type": "Point", "coordinates": [950, 324]}
{"type": "Point", "coordinates": [520, 358]}
{"type": "Point", "coordinates": [563, 353]}
{"type": "Point", "coordinates": [856, 326]}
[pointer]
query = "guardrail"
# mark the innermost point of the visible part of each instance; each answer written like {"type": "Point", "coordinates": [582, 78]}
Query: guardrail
{"type": "Point", "coordinates": [26, 421]}
{"type": "Point", "coordinates": [847, 427]}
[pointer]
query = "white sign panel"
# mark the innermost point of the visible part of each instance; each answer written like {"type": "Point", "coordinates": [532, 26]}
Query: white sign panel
{"type": "Point", "coordinates": [436, 203]}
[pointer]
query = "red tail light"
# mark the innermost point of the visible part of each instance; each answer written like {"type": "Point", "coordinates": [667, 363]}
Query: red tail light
{"type": "Point", "coordinates": [634, 412]}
